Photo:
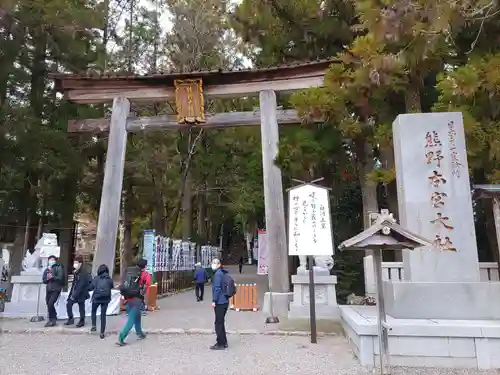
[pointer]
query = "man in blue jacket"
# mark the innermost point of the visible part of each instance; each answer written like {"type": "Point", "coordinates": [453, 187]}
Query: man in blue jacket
{"type": "Point", "coordinates": [200, 278]}
{"type": "Point", "coordinates": [220, 303]}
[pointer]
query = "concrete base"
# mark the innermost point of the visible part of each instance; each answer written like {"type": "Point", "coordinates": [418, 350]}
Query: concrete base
{"type": "Point", "coordinates": [27, 288]}
{"type": "Point", "coordinates": [443, 300]}
{"type": "Point", "coordinates": [280, 304]}
{"type": "Point", "coordinates": [423, 342]}
{"type": "Point", "coordinates": [325, 297]}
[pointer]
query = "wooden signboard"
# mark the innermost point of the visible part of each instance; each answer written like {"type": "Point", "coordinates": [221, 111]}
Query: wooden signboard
{"type": "Point", "coordinates": [190, 101]}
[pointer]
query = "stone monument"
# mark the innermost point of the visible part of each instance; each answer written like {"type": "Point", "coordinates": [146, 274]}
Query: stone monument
{"type": "Point", "coordinates": [441, 315]}
{"type": "Point", "coordinates": [434, 198]}
{"type": "Point", "coordinates": [28, 286]}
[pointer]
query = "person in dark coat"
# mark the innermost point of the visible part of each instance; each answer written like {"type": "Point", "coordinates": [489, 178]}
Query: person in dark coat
{"type": "Point", "coordinates": [102, 285]}
{"type": "Point", "coordinates": [79, 292]}
{"type": "Point", "coordinates": [240, 264]}
{"type": "Point", "coordinates": [200, 278]}
{"type": "Point", "coordinates": [54, 278]}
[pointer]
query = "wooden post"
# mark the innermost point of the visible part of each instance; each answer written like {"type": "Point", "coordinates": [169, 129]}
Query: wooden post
{"type": "Point", "coordinates": [109, 211]}
{"type": "Point", "coordinates": [383, 338]}
{"type": "Point", "coordinates": [273, 196]}
{"type": "Point", "coordinates": [496, 220]}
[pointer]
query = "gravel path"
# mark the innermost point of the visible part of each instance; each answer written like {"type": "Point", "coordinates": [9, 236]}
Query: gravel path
{"type": "Point", "coordinates": [184, 354]}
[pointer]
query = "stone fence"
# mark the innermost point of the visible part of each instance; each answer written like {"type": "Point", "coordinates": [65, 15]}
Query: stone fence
{"type": "Point", "coordinates": [488, 271]}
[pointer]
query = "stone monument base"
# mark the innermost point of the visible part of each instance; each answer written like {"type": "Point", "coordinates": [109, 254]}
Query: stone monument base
{"type": "Point", "coordinates": [326, 299]}
{"type": "Point", "coordinates": [442, 300]}
{"type": "Point", "coordinates": [280, 304]}
{"type": "Point", "coordinates": [26, 289]}
{"type": "Point", "coordinates": [423, 342]}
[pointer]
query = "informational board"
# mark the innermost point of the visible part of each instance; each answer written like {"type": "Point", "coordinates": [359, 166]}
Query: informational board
{"type": "Point", "coordinates": [309, 226]}
{"type": "Point", "coordinates": [262, 265]}
{"type": "Point", "coordinates": [148, 251]}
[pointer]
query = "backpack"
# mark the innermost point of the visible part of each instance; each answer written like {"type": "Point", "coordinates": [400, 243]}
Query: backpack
{"type": "Point", "coordinates": [102, 287]}
{"type": "Point", "coordinates": [228, 285]}
{"type": "Point", "coordinates": [134, 289]}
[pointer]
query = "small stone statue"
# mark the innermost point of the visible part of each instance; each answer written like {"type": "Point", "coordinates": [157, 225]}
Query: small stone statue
{"type": "Point", "coordinates": [31, 261]}
{"type": "Point", "coordinates": [324, 262]}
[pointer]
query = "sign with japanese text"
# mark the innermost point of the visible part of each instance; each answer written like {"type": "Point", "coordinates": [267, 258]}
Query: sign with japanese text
{"type": "Point", "coordinates": [309, 222]}
{"type": "Point", "coordinates": [434, 195]}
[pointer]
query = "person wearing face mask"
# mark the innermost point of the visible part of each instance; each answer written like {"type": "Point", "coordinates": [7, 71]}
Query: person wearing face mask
{"type": "Point", "coordinates": [54, 279]}
{"type": "Point", "coordinates": [223, 289]}
{"type": "Point", "coordinates": [79, 292]}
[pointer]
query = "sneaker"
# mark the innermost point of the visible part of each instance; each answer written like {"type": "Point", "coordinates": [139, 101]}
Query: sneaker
{"type": "Point", "coordinates": [50, 323]}
{"type": "Point", "coordinates": [218, 347]}
{"type": "Point", "coordinates": [102, 335]}
{"type": "Point", "coordinates": [93, 329]}
{"type": "Point", "coordinates": [141, 337]}
{"type": "Point", "coordinates": [70, 322]}
{"type": "Point", "coordinates": [120, 343]}
{"type": "Point", "coordinates": [80, 324]}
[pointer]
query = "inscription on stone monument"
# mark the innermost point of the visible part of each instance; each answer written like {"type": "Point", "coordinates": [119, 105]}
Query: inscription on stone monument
{"type": "Point", "coordinates": [434, 196]}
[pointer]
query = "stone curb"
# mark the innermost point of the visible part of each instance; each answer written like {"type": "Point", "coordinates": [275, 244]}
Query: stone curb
{"type": "Point", "coordinates": [158, 331]}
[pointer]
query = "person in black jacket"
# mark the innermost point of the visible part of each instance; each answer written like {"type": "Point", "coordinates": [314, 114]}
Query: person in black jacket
{"type": "Point", "coordinates": [79, 292]}
{"type": "Point", "coordinates": [54, 278]}
{"type": "Point", "coordinates": [102, 285]}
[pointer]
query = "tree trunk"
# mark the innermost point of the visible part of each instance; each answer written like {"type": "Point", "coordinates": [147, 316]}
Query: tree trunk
{"type": "Point", "coordinates": [126, 254]}
{"type": "Point", "coordinates": [202, 216]}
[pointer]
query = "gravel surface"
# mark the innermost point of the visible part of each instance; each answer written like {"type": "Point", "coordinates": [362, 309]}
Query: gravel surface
{"type": "Point", "coordinates": [180, 355]}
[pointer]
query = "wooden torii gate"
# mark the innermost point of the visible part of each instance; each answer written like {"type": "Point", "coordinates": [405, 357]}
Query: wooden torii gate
{"type": "Point", "coordinates": [189, 90]}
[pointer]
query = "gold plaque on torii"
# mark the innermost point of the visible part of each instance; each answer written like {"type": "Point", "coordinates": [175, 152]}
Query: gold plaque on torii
{"type": "Point", "coordinates": [190, 101]}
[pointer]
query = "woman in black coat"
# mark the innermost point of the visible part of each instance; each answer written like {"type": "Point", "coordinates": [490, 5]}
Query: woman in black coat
{"type": "Point", "coordinates": [79, 292]}
{"type": "Point", "coordinates": [102, 286]}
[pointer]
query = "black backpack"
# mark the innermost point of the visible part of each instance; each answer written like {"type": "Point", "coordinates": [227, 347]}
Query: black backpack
{"type": "Point", "coordinates": [102, 287]}
{"type": "Point", "coordinates": [228, 285]}
{"type": "Point", "coordinates": [133, 289]}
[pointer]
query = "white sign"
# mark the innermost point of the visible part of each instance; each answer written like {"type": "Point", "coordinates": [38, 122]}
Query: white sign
{"type": "Point", "coordinates": [310, 227]}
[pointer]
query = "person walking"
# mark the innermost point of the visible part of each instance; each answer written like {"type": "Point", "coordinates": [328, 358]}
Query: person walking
{"type": "Point", "coordinates": [200, 278]}
{"type": "Point", "coordinates": [223, 289]}
{"type": "Point", "coordinates": [55, 279]}
{"type": "Point", "coordinates": [78, 293]}
{"type": "Point", "coordinates": [102, 285]}
{"type": "Point", "coordinates": [134, 294]}
{"type": "Point", "coordinates": [240, 265]}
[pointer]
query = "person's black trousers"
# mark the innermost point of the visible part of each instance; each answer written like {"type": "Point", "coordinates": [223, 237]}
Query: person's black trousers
{"type": "Point", "coordinates": [51, 299]}
{"type": "Point", "coordinates": [93, 315]}
{"type": "Point", "coordinates": [199, 291]}
{"type": "Point", "coordinates": [220, 326]}
{"type": "Point", "coordinates": [81, 308]}
{"type": "Point", "coordinates": [240, 266]}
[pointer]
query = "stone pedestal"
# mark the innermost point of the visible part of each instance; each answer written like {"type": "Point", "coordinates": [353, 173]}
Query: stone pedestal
{"type": "Point", "coordinates": [442, 300]}
{"type": "Point", "coordinates": [326, 299]}
{"type": "Point", "coordinates": [27, 287]}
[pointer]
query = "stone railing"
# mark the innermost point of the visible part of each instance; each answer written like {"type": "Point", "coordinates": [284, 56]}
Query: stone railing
{"type": "Point", "coordinates": [488, 271]}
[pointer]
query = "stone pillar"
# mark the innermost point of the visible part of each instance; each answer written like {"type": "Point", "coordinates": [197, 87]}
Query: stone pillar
{"type": "Point", "coordinates": [273, 200]}
{"type": "Point", "coordinates": [435, 202]}
{"type": "Point", "coordinates": [109, 211]}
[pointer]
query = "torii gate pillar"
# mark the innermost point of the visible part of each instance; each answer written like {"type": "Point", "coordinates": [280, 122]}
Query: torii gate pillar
{"type": "Point", "coordinates": [277, 254]}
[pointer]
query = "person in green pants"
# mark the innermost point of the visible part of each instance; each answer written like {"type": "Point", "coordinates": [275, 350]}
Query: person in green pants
{"type": "Point", "coordinates": [133, 293]}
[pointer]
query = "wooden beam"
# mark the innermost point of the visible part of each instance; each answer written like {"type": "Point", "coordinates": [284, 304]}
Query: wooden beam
{"type": "Point", "coordinates": [140, 92]}
{"type": "Point", "coordinates": [273, 199]}
{"type": "Point", "coordinates": [109, 210]}
{"type": "Point", "coordinates": [217, 120]}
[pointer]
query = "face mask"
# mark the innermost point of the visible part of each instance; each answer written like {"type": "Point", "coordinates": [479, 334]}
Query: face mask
{"type": "Point", "coordinates": [76, 266]}
{"type": "Point", "coordinates": [51, 263]}
{"type": "Point", "coordinates": [214, 267]}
